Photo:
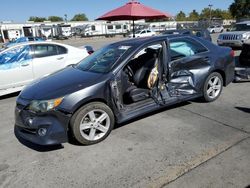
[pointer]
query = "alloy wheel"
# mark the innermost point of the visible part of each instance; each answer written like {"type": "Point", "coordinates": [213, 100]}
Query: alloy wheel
{"type": "Point", "coordinates": [214, 87]}
{"type": "Point", "coordinates": [95, 125]}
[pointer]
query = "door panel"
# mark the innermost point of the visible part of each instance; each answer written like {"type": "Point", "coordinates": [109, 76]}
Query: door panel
{"type": "Point", "coordinates": [16, 67]}
{"type": "Point", "coordinates": [46, 60]}
{"type": "Point", "coordinates": [188, 68]}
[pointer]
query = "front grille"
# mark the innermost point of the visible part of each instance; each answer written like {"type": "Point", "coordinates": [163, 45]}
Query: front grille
{"type": "Point", "coordinates": [230, 37]}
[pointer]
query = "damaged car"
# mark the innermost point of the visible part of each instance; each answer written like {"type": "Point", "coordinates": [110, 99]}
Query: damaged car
{"type": "Point", "coordinates": [119, 82]}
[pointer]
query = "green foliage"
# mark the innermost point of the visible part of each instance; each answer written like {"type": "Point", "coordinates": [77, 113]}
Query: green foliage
{"type": "Point", "coordinates": [80, 17]}
{"type": "Point", "coordinates": [240, 9]}
{"type": "Point", "coordinates": [55, 18]}
{"type": "Point", "coordinates": [181, 16]}
{"type": "Point", "coordinates": [37, 19]}
{"type": "Point", "coordinates": [194, 16]}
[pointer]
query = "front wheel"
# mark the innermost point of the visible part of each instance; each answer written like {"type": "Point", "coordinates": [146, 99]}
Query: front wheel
{"type": "Point", "coordinates": [92, 123]}
{"type": "Point", "coordinates": [212, 87]}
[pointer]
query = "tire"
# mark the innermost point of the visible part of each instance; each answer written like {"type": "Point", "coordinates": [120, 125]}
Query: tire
{"type": "Point", "coordinates": [212, 87]}
{"type": "Point", "coordinates": [92, 123]}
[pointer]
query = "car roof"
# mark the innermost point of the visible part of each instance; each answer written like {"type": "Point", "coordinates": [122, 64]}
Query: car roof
{"type": "Point", "coordinates": [244, 22]}
{"type": "Point", "coordinates": [38, 42]}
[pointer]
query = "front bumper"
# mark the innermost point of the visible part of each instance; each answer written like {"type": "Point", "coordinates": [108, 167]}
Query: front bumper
{"type": "Point", "coordinates": [27, 125]}
{"type": "Point", "coordinates": [230, 43]}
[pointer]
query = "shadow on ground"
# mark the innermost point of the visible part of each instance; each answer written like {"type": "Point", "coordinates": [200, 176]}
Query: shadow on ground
{"type": "Point", "coordinates": [243, 109]}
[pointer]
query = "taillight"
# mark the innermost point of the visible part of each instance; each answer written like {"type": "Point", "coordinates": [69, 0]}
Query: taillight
{"type": "Point", "coordinates": [232, 53]}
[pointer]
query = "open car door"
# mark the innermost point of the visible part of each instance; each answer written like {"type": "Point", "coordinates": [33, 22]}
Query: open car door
{"type": "Point", "coordinates": [186, 68]}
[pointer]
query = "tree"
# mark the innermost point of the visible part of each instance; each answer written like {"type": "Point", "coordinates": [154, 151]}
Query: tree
{"type": "Point", "coordinates": [55, 18]}
{"type": "Point", "coordinates": [240, 9]}
{"type": "Point", "coordinates": [181, 16]}
{"type": "Point", "coordinates": [205, 13]}
{"type": "Point", "coordinates": [37, 19]}
{"type": "Point", "coordinates": [80, 17]}
{"type": "Point", "coordinates": [194, 16]}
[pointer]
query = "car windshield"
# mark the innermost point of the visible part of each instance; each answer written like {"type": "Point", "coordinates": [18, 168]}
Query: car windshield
{"type": "Point", "coordinates": [241, 27]}
{"type": "Point", "coordinates": [102, 60]}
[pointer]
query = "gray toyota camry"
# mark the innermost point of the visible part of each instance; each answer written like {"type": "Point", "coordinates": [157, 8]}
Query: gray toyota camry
{"type": "Point", "coordinates": [119, 82]}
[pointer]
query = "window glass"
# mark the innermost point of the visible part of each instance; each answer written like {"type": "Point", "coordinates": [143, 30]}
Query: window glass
{"type": "Point", "coordinates": [44, 50]}
{"type": "Point", "coordinates": [102, 60]}
{"type": "Point", "coordinates": [14, 57]}
{"type": "Point", "coordinates": [110, 27]}
{"type": "Point", "coordinates": [61, 50]}
{"type": "Point", "coordinates": [118, 27]}
{"type": "Point", "coordinates": [143, 32]}
{"type": "Point", "coordinates": [185, 48]}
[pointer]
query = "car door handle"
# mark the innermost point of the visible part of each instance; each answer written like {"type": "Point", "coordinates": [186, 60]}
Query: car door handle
{"type": "Point", "coordinates": [25, 64]}
{"type": "Point", "coordinates": [60, 58]}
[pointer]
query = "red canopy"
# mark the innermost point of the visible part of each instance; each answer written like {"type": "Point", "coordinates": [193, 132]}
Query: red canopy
{"type": "Point", "coordinates": [133, 11]}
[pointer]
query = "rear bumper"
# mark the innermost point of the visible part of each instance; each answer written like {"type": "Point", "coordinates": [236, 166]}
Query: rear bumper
{"type": "Point", "coordinates": [28, 124]}
{"type": "Point", "coordinates": [242, 73]}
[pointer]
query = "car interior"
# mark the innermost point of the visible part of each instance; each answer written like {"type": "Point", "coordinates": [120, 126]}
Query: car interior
{"type": "Point", "coordinates": [140, 74]}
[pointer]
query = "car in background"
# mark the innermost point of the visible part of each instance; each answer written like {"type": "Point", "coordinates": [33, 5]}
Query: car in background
{"type": "Point", "coordinates": [215, 29]}
{"type": "Point", "coordinates": [202, 33]}
{"type": "Point", "coordinates": [119, 82]}
{"type": "Point", "coordinates": [22, 39]}
{"type": "Point", "coordinates": [25, 62]}
{"type": "Point", "coordinates": [143, 33]}
{"type": "Point", "coordinates": [237, 36]}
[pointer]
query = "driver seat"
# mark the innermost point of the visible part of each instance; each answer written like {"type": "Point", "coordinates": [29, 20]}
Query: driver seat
{"type": "Point", "coordinates": [141, 91]}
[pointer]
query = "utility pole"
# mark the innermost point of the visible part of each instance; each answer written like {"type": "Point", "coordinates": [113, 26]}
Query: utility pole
{"type": "Point", "coordinates": [210, 12]}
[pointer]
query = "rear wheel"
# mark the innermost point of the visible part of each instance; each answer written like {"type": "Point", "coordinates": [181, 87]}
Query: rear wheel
{"type": "Point", "coordinates": [92, 123]}
{"type": "Point", "coordinates": [213, 87]}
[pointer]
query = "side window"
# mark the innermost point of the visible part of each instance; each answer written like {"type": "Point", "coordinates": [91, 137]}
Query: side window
{"type": "Point", "coordinates": [44, 50]}
{"type": "Point", "coordinates": [143, 32]}
{"type": "Point", "coordinates": [13, 57]}
{"type": "Point", "coordinates": [184, 48]}
{"type": "Point", "coordinates": [61, 50]}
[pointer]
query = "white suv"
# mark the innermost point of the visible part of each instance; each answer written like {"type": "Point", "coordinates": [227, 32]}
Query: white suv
{"type": "Point", "coordinates": [215, 29]}
{"type": "Point", "coordinates": [143, 33]}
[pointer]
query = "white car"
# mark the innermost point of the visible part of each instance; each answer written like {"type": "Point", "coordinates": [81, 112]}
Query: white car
{"type": "Point", "coordinates": [143, 33]}
{"type": "Point", "coordinates": [23, 63]}
{"type": "Point", "coordinates": [215, 29]}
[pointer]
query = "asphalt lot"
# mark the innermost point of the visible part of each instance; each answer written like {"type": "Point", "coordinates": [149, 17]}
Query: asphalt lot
{"type": "Point", "coordinates": [193, 144]}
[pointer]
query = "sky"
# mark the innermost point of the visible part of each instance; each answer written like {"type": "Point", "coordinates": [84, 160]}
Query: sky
{"type": "Point", "coordinates": [21, 10]}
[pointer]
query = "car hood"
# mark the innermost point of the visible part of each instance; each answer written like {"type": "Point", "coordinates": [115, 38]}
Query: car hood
{"type": "Point", "coordinates": [60, 83]}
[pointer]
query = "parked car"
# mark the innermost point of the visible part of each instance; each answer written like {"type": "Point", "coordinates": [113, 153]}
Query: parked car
{"type": "Point", "coordinates": [202, 33]}
{"type": "Point", "coordinates": [238, 35]}
{"type": "Point", "coordinates": [21, 40]}
{"type": "Point", "coordinates": [143, 33]}
{"type": "Point", "coordinates": [119, 82]}
{"type": "Point", "coordinates": [21, 64]}
{"type": "Point", "coordinates": [242, 72]}
{"type": "Point", "coordinates": [215, 29]}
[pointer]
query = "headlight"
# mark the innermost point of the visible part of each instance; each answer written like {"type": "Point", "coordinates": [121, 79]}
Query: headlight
{"type": "Point", "coordinates": [220, 37]}
{"type": "Point", "coordinates": [244, 36]}
{"type": "Point", "coordinates": [239, 37]}
{"type": "Point", "coordinates": [44, 105]}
